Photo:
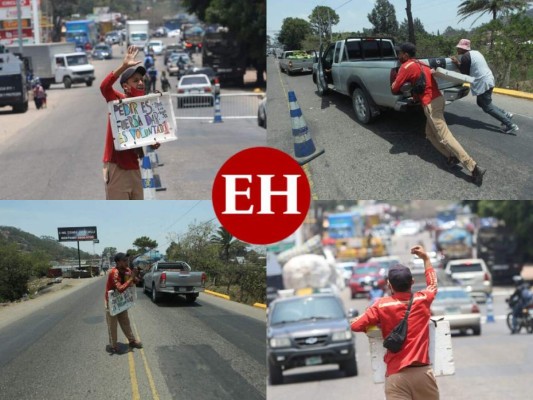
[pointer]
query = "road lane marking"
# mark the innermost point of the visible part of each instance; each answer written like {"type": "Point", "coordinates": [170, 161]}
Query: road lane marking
{"type": "Point", "coordinates": [133, 376]}
{"type": "Point", "coordinates": [155, 395]}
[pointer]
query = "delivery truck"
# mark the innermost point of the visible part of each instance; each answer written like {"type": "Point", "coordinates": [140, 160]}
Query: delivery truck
{"type": "Point", "coordinates": [58, 63]}
{"type": "Point", "coordinates": [137, 33]}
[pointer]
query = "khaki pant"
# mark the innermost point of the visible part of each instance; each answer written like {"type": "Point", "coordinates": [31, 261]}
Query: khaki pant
{"type": "Point", "coordinates": [412, 383]}
{"type": "Point", "coordinates": [440, 136]}
{"type": "Point", "coordinates": [124, 320]}
{"type": "Point", "coordinates": [122, 184]}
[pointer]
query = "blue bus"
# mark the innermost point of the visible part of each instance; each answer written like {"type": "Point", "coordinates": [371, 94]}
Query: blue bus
{"type": "Point", "coordinates": [81, 32]}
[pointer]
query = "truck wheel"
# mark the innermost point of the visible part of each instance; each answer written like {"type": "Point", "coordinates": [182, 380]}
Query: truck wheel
{"type": "Point", "coordinates": [191, 298]}
{"type": "Point", "coordinates": [349, 367]}
{"type": "Point", "coordinates": [67, 82]}
{"type": "Point", "coordinates": [275, 375]}
{"type": "Point", "coordinates": [89, 83]}
{"type": "Point", "coordinates": [20, 108]}
{"type": "Point", "coordinates": [155, 296]}
{"type": "Point", "coordinates": [144, 288]}
{"type": "Point", "coordinates": [361, 106]}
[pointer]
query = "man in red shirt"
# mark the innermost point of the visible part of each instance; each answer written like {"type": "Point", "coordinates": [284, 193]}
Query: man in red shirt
{"type": "Point", "coordinates": [437, 131]}
{"type": "Point", "coordinates": [121, 168]}
{"type": "Point", "coordinates": [409, 375]}
{"type": "Point", "coordinates": [120, 278]}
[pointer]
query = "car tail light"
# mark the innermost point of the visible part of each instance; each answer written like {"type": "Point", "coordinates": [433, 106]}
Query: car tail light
{"type": "Point", "coordinates": [204, 279]}
{"type": "Point", "coordinates": [181, 91]}
{"type": "Point", "coordinates": [486, 277]}
{"type": "Point", "coordinates": [208, 89]}
{"type": "Point", "coordinates": [475, 308]}
{"type": "Point", "coordinates": [163, 279]}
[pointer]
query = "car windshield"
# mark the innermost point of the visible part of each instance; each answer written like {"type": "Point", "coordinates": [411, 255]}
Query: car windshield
{"type": "Point", "coordinates": [452, 294]}
{"type": "Point", "coordinates": [195, 80]}
{"type": "Point", "coordinates": [307, 308]}
{"type": "Point", "coordinates": [139, 36]}
{"type": "Point", "coordinates": [471, 267]}
{"type": "Point", "coordinates": [101, 47]}
{"type": "Point", "coordinates": [365, 270]}
{"type": "Point", "coordinates": [77, 60]}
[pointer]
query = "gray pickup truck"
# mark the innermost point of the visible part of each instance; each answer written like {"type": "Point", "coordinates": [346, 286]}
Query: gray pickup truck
{"type": "Point", "coordinates": [173, 278]}
{"type": "Point", "coordinates": [297, 61]}
{"type": "Point", "coordinates": [364, 69]}
{"type": "Point", "coordinates": [309, 330]}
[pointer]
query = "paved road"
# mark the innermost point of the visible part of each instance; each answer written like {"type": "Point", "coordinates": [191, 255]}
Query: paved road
{"type": "Point", "coordinates": [56, 153]}
{"type": "Point", "coordinates": [391, 158]}
{"type": "Point", "coordinates": [212, 349]}
{"type": "Point", "coordinates": [492, 366]}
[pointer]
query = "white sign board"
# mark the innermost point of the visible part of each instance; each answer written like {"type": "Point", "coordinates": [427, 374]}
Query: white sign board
{"type": "Point", "coordinates": [119, 302]}
{"type": "Point", "coordinates": [142, 121]}
{"type": "Point", "coordinates": [452, 76]}
{"type": "Point", "coordinates": [440, 350]}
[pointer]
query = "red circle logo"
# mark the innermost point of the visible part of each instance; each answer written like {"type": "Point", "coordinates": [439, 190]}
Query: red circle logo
{"type": "Point", "coordinates": [261, 195]}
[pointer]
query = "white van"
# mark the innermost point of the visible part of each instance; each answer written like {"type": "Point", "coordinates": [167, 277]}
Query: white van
{"type": "Point", "coordinates": [472, 274]}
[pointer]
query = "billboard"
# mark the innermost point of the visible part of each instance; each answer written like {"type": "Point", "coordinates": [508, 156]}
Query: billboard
{"type": "Point", "coordinates": [77, 233]}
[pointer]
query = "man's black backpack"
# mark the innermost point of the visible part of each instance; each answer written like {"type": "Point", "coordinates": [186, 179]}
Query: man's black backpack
{"type": "Point", "coordinates": [420, 84]}
{"type": "Point", "coordinates": [394, 341]}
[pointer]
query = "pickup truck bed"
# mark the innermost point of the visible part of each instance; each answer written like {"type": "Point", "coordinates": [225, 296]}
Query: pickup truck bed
{"type": "Point", "coordinates": [296, 61]}
{"type": "Point", "coordinates": [364, 69]}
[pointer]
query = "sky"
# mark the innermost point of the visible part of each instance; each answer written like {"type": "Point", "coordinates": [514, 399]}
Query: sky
{"type": "Point", "coordinates": [434, 14]}
{"type": "Point", "coordinates": [118, 223]}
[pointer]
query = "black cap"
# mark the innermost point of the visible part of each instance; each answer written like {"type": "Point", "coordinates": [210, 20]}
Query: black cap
{"type": "Point", "coordinates": [120, 257]}
{"type": "Point", "coordinates": [130, 71]}
{"type": "Point", "coordinates": [400, 277]}
{"type": "Point", "coordinates": [408, 48]}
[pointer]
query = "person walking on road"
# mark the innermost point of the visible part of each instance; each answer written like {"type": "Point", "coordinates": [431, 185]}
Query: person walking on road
{"type": "Point", "coordinates": [437, 131]}
{"type": "Point", "coordinates": [474, 64]}
{"type": "Point", "coordinates": [120, 278]}
{"type": "Point", "coordinates": [122, 174]}
{"type": "Point", "coordinates": [409, 375]}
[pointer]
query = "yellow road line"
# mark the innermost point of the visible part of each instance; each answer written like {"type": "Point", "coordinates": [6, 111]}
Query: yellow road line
{"type": "Point", "coordinates": [304, 167]}
{"type": "Point", "coordinates": [155, 395]}
{"type": "Point", "coordinates": [133, 376]}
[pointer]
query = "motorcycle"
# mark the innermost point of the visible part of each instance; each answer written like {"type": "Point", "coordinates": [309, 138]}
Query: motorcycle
{"type": "Point", "coordinates": [524, 319]}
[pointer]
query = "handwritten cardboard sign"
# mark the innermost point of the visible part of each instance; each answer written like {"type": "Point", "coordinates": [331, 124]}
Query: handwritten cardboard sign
{"type": "Point", "coordinates": [142, 121]}
{"type": "Point", "coordinates": [119, 302]}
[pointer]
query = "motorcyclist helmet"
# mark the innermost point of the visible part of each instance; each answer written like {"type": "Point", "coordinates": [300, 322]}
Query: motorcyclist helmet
{"type": "Point", "coordinates": [518, 280]}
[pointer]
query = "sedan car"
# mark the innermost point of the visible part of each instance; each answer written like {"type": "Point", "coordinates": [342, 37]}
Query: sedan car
{"type": "Point", "coordinates": [112, 37]}
{"type": "Point", "coordinates": [102, 51]}
{"type": "Point", "coordinates": [364, 275]}
{"type": "Point", "coordinates": [173, 63]}
{"type": "Point", "coordinates": [194, 91]}
{"type": "Point", "coordinates": [262, 113]}
{"type": "Point", "coordinates": [458, 307]}
{"type": "Point", "coordinates": [156, 46]}
{"type": "Point", "coordinates": [174, 33]}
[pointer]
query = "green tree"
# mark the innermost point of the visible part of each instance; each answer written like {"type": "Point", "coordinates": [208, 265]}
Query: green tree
{"type": "Point", "coordinates": [245, 18]}
{"type": "Point", "coordinates": [293, 32]}
{"type": "Point", "coordinates": [15, 271]}
{"type": "Point", "coordinates": [403, 30]}
{"type": "Point", "coordinates": [497, 8]}
{"type": "Point", "coordinates": [224, 240]}
{"type": "Point", "coordinates": [144, 242]}
{"type": "Point", "coordinates": [383, 17]}
{"type": "Point", "coordinates": [321, 20]}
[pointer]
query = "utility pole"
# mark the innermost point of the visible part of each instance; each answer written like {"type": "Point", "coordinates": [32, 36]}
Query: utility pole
{"type": "Point", "coordinates": [19, 24]}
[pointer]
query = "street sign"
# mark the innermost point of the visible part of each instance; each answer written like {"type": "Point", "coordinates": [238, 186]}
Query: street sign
{"type": "Point", "coordinates": [77, 234]}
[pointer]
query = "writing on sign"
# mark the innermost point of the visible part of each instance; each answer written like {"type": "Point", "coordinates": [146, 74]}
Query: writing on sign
{"type": "Point", "coordinates": [119, 302]}
{"type": "Point", "coordinates": [142, 121]}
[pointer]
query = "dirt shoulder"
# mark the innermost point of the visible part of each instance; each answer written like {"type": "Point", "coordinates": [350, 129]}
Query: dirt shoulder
{"type": "Point", "coordinates": [11, 312]}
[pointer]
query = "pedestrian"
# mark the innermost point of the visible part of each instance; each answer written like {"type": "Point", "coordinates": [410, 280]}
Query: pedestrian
{"type": "Point", "coordinates": [375, 293]}
{"type": "Point", "coordinates": [165, 84]}
{"type": "Point", "coordinates": [122, 174]}
{"type": "Point", "coordinates": [119, 279]}
{"type": "Point", "coordinates": [437, 131]}
{"type": "Point", "coordinates": [473, 63]}
{"type": "Point", "coordinates": [39, 95]}
{"type": "Point", "coordinates": [152, 73]}
{"type": "Point", "coordinates": [409, 375]}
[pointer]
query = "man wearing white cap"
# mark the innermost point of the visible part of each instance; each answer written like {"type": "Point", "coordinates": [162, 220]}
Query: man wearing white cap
{"type": "Point", "coordinates": [474, 64]}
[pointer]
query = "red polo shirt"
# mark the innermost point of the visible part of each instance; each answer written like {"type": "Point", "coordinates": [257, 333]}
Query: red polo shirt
{"type": "Point", "coordinates": [116, 281]}
{"type": "Point", "coordinates": [388, 312]}
{"type": "Point", "coordinates": [125, 159]}
{"type": "Point", "coordinates": [409, 72]}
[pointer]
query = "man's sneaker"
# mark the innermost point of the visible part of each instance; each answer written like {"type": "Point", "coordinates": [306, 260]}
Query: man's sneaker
{"type": "Point", "coordinates": [452, 161]}
{"type": "Point", "coordinates": [509, 115]}
{"type": "Point", "coordinates": [477, 175]}
{"type": "Point", "coordinates": [512, 129]}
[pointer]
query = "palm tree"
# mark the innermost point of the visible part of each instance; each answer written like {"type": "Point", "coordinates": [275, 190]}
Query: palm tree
{"type": "Point", "coordinates": [495, 7]}
{"type": "Point", "coordinates": [224, 239]}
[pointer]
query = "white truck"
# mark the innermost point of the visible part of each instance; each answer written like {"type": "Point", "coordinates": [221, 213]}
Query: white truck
{"type": "Point", "coordinates": [137, 33]}
{"type": "Point", "coordinates": [57, 63]}
{"type": "Point", "coordinates": [13, 87]}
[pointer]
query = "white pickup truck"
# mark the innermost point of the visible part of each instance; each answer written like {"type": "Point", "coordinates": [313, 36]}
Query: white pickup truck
{"type": "Point", "coordinates": [364, 69]}
{"type": "Point", "coordinates": [173, 278]}
{"type": "Point", "coordinates": [297, 61]}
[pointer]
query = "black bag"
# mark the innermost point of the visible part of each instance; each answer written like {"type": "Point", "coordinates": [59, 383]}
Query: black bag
{"type": "Point", "coordinates": [420, 84]}
{"type": "Point", "coordinates": [394, 341]}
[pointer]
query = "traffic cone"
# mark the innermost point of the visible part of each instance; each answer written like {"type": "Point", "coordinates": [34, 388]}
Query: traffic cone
{"type": "Point", "coordinates": [218, 115]}
{"type": "Point", "coordinates": [304, 148]}
{"type": "Point", "coordinates": [147, 178]}
{"type": "Point", "coordinates": [490, 310]}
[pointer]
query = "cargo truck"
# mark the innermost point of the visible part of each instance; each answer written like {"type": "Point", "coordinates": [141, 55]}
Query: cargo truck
{"type": "Point", "coordinates": [81, 33]}
{"type": "Point", "coordinates": [137, 33]}
{"type": "Point", "coordinates": [224, 53]}
{"type": "Point", "coordinates": [58, 63]}
{"type": "Point", "coordinates": [13, 88]}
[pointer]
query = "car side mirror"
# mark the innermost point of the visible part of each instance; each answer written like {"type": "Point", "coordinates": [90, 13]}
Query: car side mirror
{"type": "Point", "coordinates": [352, 313]}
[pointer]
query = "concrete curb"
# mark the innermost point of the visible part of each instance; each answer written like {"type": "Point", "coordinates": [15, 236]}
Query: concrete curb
{"type": "Point", "coordinates": [224, 296]}
{"type": "Point", "coordinates": [260, 305]}
{"type": "Point", "coordinates": [510, 92]}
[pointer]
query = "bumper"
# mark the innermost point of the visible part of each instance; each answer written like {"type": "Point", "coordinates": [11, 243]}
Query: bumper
{"type": "Point", "coordinates": [293, 357]}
